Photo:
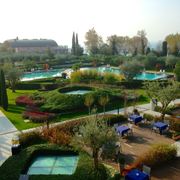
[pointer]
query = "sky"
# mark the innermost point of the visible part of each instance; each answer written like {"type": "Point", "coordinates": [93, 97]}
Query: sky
{"type": "Point", "coordinates": [58, 19]}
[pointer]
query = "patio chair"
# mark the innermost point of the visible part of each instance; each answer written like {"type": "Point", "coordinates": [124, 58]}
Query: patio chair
{"type": "Point", "coordinates": [130, 132]}
{"type": "Point", "coordinates": [155, 129]}
{"type": "Point", "coordinates": [147, 170]}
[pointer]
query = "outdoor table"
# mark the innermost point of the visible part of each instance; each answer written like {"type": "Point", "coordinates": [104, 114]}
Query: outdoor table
{"type": "Point", "coordinates": [136, 174]}
{"type": "Point", "coordinates": [122, 129]}
{"type": "Point", "coordinates": [161, 126]}
{"type": "Point", "coordinates": [136, 118]}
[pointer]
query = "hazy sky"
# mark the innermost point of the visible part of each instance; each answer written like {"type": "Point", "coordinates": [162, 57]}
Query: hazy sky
{"type": "Point", "coordinates": [57, 19]}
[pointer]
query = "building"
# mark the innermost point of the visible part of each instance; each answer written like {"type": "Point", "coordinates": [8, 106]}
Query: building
{"type": "Point", "coordinates": [34, 45]}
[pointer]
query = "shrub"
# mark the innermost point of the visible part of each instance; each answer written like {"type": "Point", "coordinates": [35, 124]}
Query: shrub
{"type": "Point", "coordinates": [55, 136]}
{"type": "Point", "coordinates": [149, 117]}
{"type": "Point", "coordinates": [174, 124]}
{"type": "Point", "coordinates": [24, 101]}
{"type": "Point", "coordinates": [111, 78]}
{"type": "Point", "coordinates": [114, 119]}
{"type": "Point", "coordinates": [31, 138]}
{"type": "Point", "coordinates": [157, 155]}
{"type": "Point", "coordinates": [37, 116]}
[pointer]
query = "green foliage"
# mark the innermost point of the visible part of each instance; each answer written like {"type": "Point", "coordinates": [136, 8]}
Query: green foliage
{"type": "Point", "coordinates": [149, 117]}
{"type": "Point", "coordinates": [177, 71]}
{"type": "Point", "coordinates": [131, 69]}
{"type": "Point", "coordinates": [158, 154]}
{"type": "Point", "coordinates": [3, 92]}
{"type": "Point", "coordinates": [58, 102]}
{"type": "Point", "coordinates": [16, 165]}
{"type": "Point", "coordinates": [94, 134]}
{"type": "Point", "coordinates": [164, 93]}
{"type": "Point", "coordinates": [110, 78]}
{"type": "Point", "coordinates": [13, 75]}
{"type": "Point", "coordinates": [31, 138]}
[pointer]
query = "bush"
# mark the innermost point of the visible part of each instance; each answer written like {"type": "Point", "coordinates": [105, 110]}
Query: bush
{"type": "Point", "coordinates": [31, 138]}
{"type": "Point", "coordinates": [174, 123]}
{"type": "Point", "coordinates": [114, 119]}
{"type": "Point", "coordinates": [157, 155]}
{"type": "Point", "coordinates": [37, 116]}
{"type": "Point", "coordinates": [149, 117]}
{"type": "Point", "coordinates": [24, 101]}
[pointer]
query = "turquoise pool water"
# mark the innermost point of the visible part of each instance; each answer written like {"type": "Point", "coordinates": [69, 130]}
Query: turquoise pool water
{"type": "Point", "coordinates": [142, 76]}
{"type": "Point", "coordinates": [65, 164]}
{"type": "Point", "coordinates": [150, 76]}
{"type": "Point", "coordinates": [57, 73]}
{"type": "Point", "coordinates": [81, 92]}
{"type": "Point", "coordinates": [41, 74]}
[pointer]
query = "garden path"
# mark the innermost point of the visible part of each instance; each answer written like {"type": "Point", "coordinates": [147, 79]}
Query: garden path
{"type": "Point", "coordinates": [7, 130]}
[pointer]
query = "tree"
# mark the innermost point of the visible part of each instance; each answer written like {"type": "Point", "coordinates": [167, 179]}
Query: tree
{"type": "Point", "coordinates": [177, 71]}
{"type": "Point", "coordinates": [144, 40]}
{"type": "Point", "coordinates": [164, 48]}
{"type": "Point", "coordinates": [73, 49]}
{"type": "Point", "coordinates": [93, 135]}
{"type": "Point", "coordinates": [76, 66]}
{"type": "Point", "coordinates": [171, 61]}
{"type": "Point", "coordinates": [3, 92]}
{"type": "Point", "coordinates": [13, 75]}
{"type": "Point", "coordinates": [89, 100]}
{"type": "Point", "coordinates": [103, 100]}
{"type": "Point", "coordinates": [131, 69]}
{"type": "Point", "coordinates": [93, 41]}
{"type": "Point", "coordinates": [164, 93]}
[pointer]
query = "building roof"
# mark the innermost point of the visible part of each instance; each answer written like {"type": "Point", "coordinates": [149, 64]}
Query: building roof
{"type": "Point", "coordinates": [32, 43]}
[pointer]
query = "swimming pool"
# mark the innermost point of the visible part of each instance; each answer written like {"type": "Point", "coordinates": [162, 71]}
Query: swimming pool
{"type": "Point", "coordinates": [142, 76]}
{"type": "Point", "coordinates": [65, 164]}
{"type": "Point", "coordinates": [150, 76]}
{"type": "Point", "coordinates": [57, 73]}
{"type": "Point", "coordinates": [41, 74]}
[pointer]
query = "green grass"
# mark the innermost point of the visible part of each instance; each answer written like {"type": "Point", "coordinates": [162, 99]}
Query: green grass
{"type": "Point", "coordinates": [14, 113]}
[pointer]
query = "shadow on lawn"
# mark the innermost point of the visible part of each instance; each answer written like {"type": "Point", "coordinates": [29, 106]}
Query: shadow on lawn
{"type": "Point", "coordinates": [15, 109]}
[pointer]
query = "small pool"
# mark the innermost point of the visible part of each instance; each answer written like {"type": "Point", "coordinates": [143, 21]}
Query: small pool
{"type": "Point", "coordinates": [65, 164]}
{"type": "Point", "coordinates": [41, 74]}
{"type": "Point", "coordinates": [81, 92]}
{"type": "Point", "coordinates": [150, 76]}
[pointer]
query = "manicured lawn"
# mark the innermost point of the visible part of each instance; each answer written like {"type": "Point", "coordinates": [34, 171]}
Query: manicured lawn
{"type": "Point", "coordinates": [14, 113]}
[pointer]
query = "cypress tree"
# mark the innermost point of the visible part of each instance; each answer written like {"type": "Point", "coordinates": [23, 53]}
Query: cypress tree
{"type": "Point", "coordinates": [73, 50]}
{"type": "Point", "coordinates": [4, 98]}
{"type": "Point", "coordinates": [77, 45]}
{"type": "Point", "coordinates": [164, 48]}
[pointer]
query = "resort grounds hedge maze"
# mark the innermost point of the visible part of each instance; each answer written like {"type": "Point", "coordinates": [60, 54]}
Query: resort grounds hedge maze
{"type": "Point", "coordinates": [18, 164]}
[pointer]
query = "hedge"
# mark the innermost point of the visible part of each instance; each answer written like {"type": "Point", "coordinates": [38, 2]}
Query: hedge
{"type": "Point", "coordinates": [18, 164]}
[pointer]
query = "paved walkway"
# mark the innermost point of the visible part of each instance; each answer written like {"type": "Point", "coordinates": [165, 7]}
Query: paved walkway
{"type": "Point", "coordinates": [7, 129]}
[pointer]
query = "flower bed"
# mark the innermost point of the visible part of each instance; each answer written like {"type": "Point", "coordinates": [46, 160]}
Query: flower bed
{"type": "Point", "coordinates": [24, 101]}
{"type": "Point", "coordinates": [37, 116]}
